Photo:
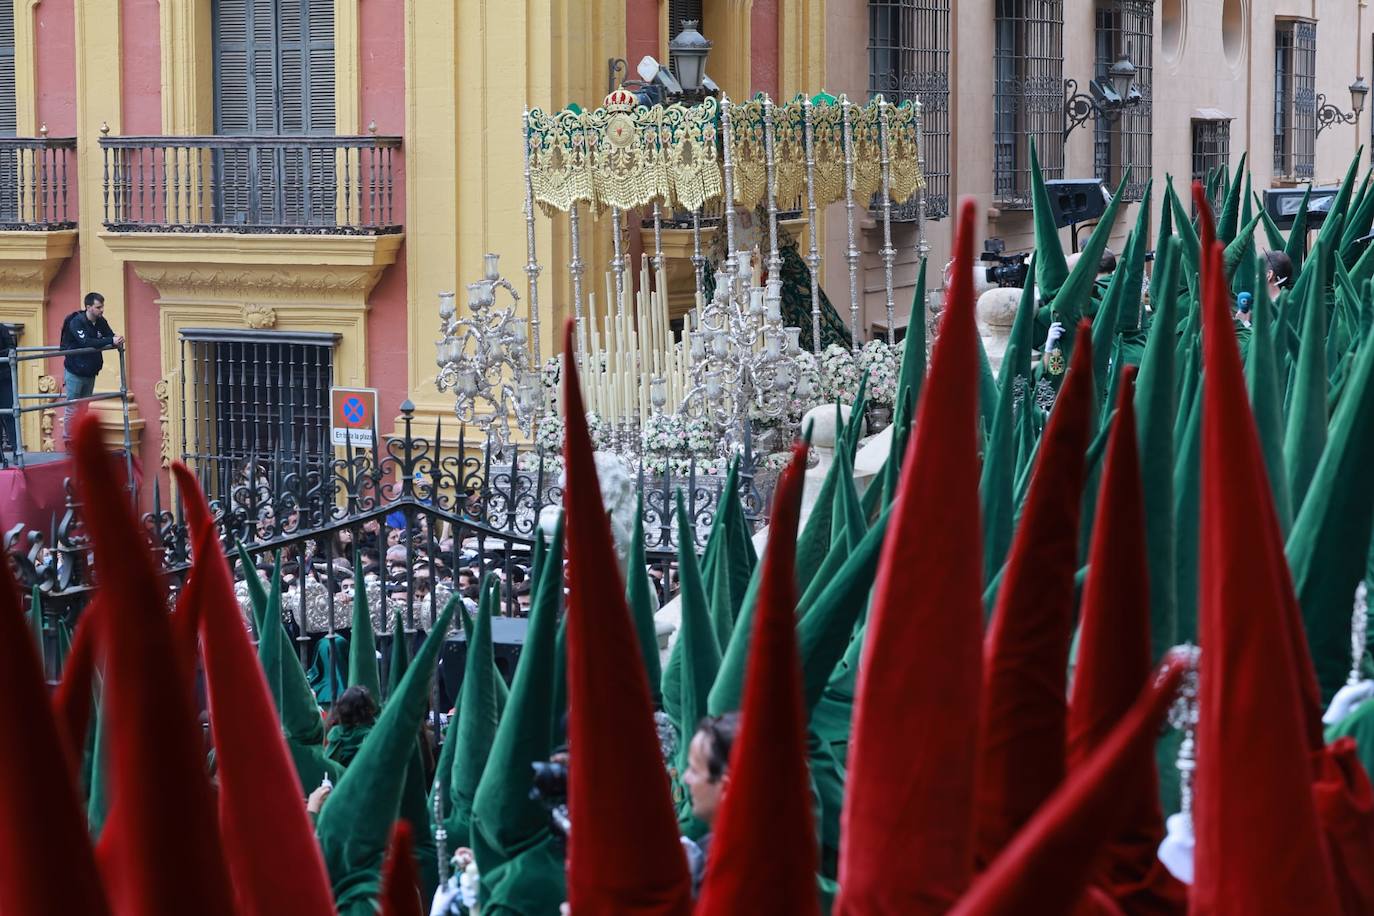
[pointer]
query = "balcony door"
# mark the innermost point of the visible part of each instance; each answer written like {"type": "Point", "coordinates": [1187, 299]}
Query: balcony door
{"type": "Point", "coordinates": [274, 78]}
{"type": "Point", "coordinates": [9, 158]}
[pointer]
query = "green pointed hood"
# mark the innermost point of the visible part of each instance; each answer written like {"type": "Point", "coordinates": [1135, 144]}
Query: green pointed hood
{"type": "Point", "coordinates": [300, 711]}
{"type": "Point", "coordinates": [1273, 235]}
{"type": "Point", "coordinates": [847, 519]}
{"type": "Point", "coordinates": [999, 459]}
{"type": "Point", "coordinates": [1361, 215]}
{"type": "Point", "coordinates": [1305, 434]}
{"type": "Point", "coordinates": [1132, 313]}
{"type": "Point", "coordinates": [1262, 381]}
{"type": "Point", "coordinates": [478, 718]}
{"type": "Point", "coordinates": [727, 690]}
{"type": "Point", "coordinates": [560, 678]}
{"type": "Point", "coordinates": [400, 654]}
{"type": "Point", "coordinates": [639, 595]}
{"type": "Point", "coordinates": [505, 820]}
{"type": "Point", "coordinates": [1330, 541]}
{"type": "Point", "coordinates": [355, 823]}
{"type": "Point", "coordinates": [824, 630]}
{"type": "Point", "coordinates": [257, 595]}
{"type": "Point", "coordinates": [1229, 220]}
{"type": "Point", "coordinates": [696, 643]}
{"type": "Point", "coordinates": [1156, 404]}
{"type": "Point", "coordinates": [270, 645]}
{"type": "Point", "coordinates": [700, 653]}
{"type": "Point", "coordinates": [1186, 234]}
{"type": "Point", "coordinates": [1051, 267]}
{"type": "Point", "coordinates": [1187, 510]}
{"type": "Point", "coordinates": [98, 759]}
{"type": "Point", "coordinates": [362, 652]}
{"type": "Point", "coordinates": [1104, 328]}
{"type": "Point", "coordinates": [1297, 235]}
{"type": "Point", "coordinates": [913, 368]}
{"type": "Point", "coordinates": [814, 543]}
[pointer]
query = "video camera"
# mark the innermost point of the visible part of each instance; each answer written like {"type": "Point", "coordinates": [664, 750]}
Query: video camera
{"type": "Point", "coordinates": [1006, 270]}
{"type": "Point", "coordinates": [551, 790]}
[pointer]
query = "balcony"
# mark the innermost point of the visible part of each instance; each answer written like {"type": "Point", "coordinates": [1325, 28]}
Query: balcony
{"type": "Point", "coordinates": [251, 185]}
{"type": "Point", "coordinates": [34, 177]}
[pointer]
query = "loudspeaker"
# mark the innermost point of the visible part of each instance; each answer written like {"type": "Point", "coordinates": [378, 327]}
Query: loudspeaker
{"type": "Point", "coordinates": [507, 641]}
{"type": "Point", "coordinates": [1077, 200]}
{"type": "Point", "coordinates": [1283, 204]}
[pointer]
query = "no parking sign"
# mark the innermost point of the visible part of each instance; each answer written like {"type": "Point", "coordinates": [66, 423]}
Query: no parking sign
{"type": "Point", "coordinates": [353, 415]}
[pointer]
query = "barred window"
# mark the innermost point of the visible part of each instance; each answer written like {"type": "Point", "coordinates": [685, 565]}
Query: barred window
{"type": "Point", "coordinates": [1295, 98]}
{"type": "Point", "coordinates": [251, 396]}
{"type": "Point", "coordinates": [1211, 145]}
{"type": "Point", "coordinates": [1125, 28]}
{"type": "Point", "coordinates": [1029, 96]}
{"type": "Point", "coordinates": [908, 58]}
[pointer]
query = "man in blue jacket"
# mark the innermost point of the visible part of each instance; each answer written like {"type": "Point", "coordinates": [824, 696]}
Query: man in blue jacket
{"type": "Point", "coordinates": [84, 330]}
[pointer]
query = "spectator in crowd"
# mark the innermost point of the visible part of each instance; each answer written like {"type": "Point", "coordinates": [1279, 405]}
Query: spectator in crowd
{"type": "Point", "coordinates": [88, 331]}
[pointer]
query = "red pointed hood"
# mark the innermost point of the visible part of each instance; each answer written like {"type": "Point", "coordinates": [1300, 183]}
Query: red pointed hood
{"type": "Point", "coordinates": [47, 865]}
{"type": "Point", "coordinates": [1113, 664]}
{"type": "Point", "coordinates": [913, 753]}
{"type": "Point", "coordinates": [269, 842]}
{"type": "Point", "coordinates": [763, 851]}
{"type": "Point", "coordinates": [1021, 749]}
{"type": "Point", "coordinates": [400, 883]}
{"type": "Point", "coordinates": [1251, 858]}
{"type": "Point", "coordinates": [1046, 867]}
{"type": "Point", "coordinates": [160, 850]}
{"type": "Point", "coordinates": [1206, 223]}
{"type": "Point", "coordinates": [624, 855]}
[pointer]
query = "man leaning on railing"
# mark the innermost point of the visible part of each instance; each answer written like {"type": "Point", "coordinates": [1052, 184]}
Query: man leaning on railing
{"type": "Point", "coordinates": [87, 332]}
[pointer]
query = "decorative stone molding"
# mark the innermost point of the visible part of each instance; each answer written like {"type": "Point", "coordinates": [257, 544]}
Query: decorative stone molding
{"type": "Point", "coordinates": [259, 316]}
{"type": "Point", "coordinates": [47, 419]}
{"type": "Point", "coordinates": [163, 392]}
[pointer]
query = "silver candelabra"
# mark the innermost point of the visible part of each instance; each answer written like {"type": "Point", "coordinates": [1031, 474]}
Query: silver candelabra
{"type": "Point", "coordinates": [485, 359]}
{"type": "Point", "coordinates": [743, 359]}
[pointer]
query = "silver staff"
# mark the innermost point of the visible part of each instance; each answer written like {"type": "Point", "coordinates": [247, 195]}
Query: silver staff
{"type": "Point", "coordinates": [813, 257]}
{"type": "Point", "coordinates": [617, 261]}
{"type": "Point", "coordinates": [698, 261]}
{"type": "Point", "coordinates": [440, 838]}
{"type": "Point", "coordinates": [575, 269]}
{"type": "Point", "coordinates": [1183, 715]}
{"type": "Point", "coordinates": [532, 263]}
{"type": "Point", "coordinates": [658, 240]}
{"type": "Point", "coordinates": [774, 259]}
{"type": "Point", "coordinates": [729, 169]}
{"type": "Point", "coordinates": [1359, 629]}
{"type": "Point", "coordinates": [889, 253]}
{"type": "Point", "coordinates": [922, 248]}
{"type": "Point", "coordinates": [851, 254]}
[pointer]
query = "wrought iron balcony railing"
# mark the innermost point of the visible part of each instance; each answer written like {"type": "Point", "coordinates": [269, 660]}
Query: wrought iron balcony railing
{"type": "Point", "coordinates": [292, 185]}
{"type": "Point", "coordinates": [34, 175]}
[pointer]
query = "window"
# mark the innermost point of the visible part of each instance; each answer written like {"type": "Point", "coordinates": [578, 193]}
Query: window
{"type": "Point", "coordinates": [9, 158]}
{"type": "Point", "coordinates": [274, 76]}
{"type": "Point", "coordinates": [908, 58]}
{"type": "Point", "coordinates": [1295, 98]}
{"type": "Point", "coordinates": [1125, 28]}
{"type": "Point", "coordinates": [254, 395]}
{"type": "Point", "coordinates": [1211, 145]}
{"type": "Point", "coordinates": [1029, 96]}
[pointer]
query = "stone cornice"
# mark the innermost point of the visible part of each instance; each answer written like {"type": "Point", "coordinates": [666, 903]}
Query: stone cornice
{"type": "Point", "coordinates": [28, 260]}
{"type": "Point", "coordinates": [266, 268]}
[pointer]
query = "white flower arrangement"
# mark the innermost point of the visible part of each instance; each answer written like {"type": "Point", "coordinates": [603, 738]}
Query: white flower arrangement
{"type": "Point", "coordinates": [600, 432]}
{"type": "Point", "coordinates": [549, 434]}
{"type": "Point", "coordinates": [880, 361]}
{"type": "Point", "coordinates": [701, 437]}
{"type": "Point", "coordinates": [551, 373]}
{"type": "Point", "coordinates": [664, 434]}
{"type": "Point", "coordinates": [839, 375]}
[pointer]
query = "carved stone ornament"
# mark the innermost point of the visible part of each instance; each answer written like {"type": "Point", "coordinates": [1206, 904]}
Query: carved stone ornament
{"type": "Point", "coordinates": [163, 392]}
{"type": "Point", "coordinates": [47, 419]}
{"type": "Point", "coordinates": [259, 316]}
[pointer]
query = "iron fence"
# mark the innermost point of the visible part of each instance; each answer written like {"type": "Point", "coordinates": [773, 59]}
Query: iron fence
{"type": "Point", "coordinates": [34, 175]}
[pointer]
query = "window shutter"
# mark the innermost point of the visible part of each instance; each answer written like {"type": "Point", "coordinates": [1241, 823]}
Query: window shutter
{"type": "Point", "coordinates": [7, 97]}
{"type": "Point", "coordinates": [274, 76]}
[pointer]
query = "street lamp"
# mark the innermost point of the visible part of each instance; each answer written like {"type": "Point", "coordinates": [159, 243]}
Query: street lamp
{"type": "Point", "coordinates": [1328, 114]}
{"type": "Point", "coordinates": [688, 55]}
{"type": "Point", "coordinates": [1104, 99]}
